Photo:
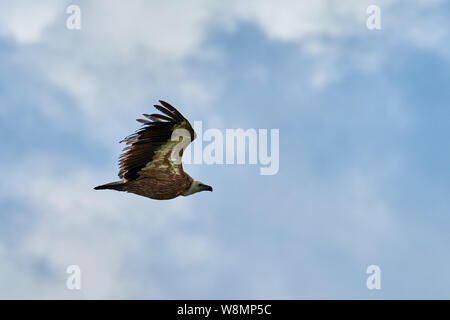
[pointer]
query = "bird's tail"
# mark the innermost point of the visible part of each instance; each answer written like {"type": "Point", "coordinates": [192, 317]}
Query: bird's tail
{"type": "Point", "coordinates": [118, 185]}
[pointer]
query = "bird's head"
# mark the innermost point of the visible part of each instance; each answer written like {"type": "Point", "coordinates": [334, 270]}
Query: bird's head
{"type": "Point", "coordinates": [197, 186]}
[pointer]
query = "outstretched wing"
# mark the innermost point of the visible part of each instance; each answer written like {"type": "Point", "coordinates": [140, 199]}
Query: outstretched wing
{"type": "Point", "coordinates": [152, 146]}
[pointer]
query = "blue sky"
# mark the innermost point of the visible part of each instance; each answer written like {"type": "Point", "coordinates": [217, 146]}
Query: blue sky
{"type": "Point", "coordinates": [364, 164]}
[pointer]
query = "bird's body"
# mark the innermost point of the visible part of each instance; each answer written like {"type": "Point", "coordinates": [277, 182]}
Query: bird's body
{"type": "Point", "coordinates": [163, 187]}
{"type": "Point", "coordinates": [151, 163]}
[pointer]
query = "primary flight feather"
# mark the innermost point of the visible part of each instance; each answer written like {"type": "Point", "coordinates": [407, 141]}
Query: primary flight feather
{"type": "Point", "coordinates": [150, 164]}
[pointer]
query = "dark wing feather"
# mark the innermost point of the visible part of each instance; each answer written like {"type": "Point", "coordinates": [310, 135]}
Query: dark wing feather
{"type": "Point", "coordinates": [157, 117]}
{"type": "Point", "coordinates": [151, 137]}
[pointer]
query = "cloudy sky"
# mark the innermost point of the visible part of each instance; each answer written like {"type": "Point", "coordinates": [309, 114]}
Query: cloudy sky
{"type": "Point", "coordinates": [364, 173]}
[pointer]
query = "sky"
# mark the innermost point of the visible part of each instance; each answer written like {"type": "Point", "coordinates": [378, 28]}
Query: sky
{"type": "Point", "coordinates": [364, 160]}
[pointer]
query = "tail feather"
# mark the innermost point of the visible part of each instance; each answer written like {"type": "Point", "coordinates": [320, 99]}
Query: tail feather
{"type": "Point", "coordinates": [118, 185]}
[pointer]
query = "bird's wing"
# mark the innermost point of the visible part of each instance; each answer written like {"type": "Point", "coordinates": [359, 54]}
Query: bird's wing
{"type": "Point", "coordinates": [157, 145]}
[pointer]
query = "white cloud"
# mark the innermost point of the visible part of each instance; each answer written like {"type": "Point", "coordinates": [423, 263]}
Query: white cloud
{"type": "Point", "coordinates": [25, 21]}
{"type": "Point", "coordinates": [127, 54]}
{"type": "Point", "coordinates": [291, 20]}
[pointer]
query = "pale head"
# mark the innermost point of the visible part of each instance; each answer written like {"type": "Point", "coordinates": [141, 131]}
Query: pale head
{"type": "Point", "coordinates": [197, 186]}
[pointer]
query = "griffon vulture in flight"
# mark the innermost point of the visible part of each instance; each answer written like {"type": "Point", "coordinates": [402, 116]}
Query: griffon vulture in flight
{"type": "Point", "coordinates": [150, 165]}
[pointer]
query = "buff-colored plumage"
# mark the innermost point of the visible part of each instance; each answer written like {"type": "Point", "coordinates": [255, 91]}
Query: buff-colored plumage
{"type": "Point", "coordinates": [150, 165]}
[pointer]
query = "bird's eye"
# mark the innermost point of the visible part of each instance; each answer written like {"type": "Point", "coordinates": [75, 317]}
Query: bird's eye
{"type": "Point", "coordinates": [200, 185]}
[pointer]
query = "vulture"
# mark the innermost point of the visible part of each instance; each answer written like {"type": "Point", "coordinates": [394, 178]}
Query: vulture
{"type": "Point", "coordinates": [150, 165]}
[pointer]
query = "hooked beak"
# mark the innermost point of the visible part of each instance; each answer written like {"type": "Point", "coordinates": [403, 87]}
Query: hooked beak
{"type": "Point", "coordinates": [207, 188]}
